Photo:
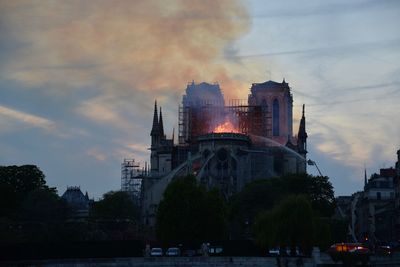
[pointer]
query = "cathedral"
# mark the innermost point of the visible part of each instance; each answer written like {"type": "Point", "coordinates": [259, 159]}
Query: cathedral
{"type": "Point", "coordinates": [225, 144]}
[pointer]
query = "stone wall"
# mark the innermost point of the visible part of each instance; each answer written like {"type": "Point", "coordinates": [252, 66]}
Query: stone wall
{"type": "Point", "coordinates": [323, 261]}
{"type": "Point", "coordinates": [169, 262]}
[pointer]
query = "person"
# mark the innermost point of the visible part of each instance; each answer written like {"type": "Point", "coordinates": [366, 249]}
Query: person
{"type": "Point", "coordinates": [147, 251]}
{"type": "Point", "coordinates": [204, 249]}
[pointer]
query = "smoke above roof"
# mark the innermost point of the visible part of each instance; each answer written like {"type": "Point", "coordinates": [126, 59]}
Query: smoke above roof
{"type": "Point", "coordinates": [203, 94]}
{"type": "Point", "coordinates": [121, 46]}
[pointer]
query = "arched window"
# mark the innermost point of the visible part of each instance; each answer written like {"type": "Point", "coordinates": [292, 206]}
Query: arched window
{"type": "Point", "coordinates": [275, 118]}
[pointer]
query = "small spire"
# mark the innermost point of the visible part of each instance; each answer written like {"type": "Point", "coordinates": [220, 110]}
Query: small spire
{"type": "Point", "coordinates": [302, 127]}
{"type": "Point", "coordinates": [365, 176]}
{"type": "Point", "coordinates": [160, 124]}
{"type": "Point", "coordinates": [155, 127]}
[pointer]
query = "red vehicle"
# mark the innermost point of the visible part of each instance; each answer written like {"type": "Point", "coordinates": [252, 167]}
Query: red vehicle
{"type": "Point", "coordinates": [349, 252]}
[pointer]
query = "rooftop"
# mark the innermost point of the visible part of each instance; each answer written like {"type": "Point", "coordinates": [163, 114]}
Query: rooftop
{"type": "Point", "coordinates": [269, 85]}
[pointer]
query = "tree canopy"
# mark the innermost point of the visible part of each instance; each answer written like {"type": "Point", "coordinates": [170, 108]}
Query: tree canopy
{"type": "Point", "coordinates": [16, 182]}
{"type": "Point", "coordinates": [189, 213]}
{"type": "Point", "coordinates": [115, 206]}
{"type": "Point", "coordinates": [42, 205]}
{"type": "Point", "coordinates": [264, 194]}
{"type": "Point", "coordinates": [289, 224]}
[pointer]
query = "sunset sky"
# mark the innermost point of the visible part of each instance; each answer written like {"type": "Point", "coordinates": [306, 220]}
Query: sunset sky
{"type": "Point", "coordinates": [78, 79]}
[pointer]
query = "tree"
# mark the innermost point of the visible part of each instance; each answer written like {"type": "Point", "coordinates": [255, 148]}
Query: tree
{"type": "Point", "coordinates": [289, 224]}
{"type": "Point", "coordinates": [188, 213]}
{"type": "Point", "coordinates": [317, 188]}
{"type": "Point", "coordinates": [42, 205]}
{"type": "Point", "coordinates": [115, 206]}
{"type": "Point", "coordinates": [323, 232]}
{"type": "Point", "coordinates": [257, 196]}
{"type": "Point", "coordinates": [16, 182]}
{"type": "Point", "coordinates": [262, 195]}
{"type": "Point", "coordinates": [264, 229]}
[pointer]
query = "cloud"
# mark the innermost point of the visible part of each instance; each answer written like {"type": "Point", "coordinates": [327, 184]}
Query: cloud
{"type": "Point", "coordinates": [138, 148]}
{"type": "Point", "coordinates": [316, 8]}
{"type": "Point", "coordinates": [101, 111]}
{"type": "Point", "coordinates": [96, 153]}
{"type": "Point", "coordinates": [27, 119]}
{"type": "Point", "coordinates": [354, 144]}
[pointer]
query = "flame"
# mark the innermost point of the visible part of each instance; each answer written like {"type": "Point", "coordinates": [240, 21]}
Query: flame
{"type": "Point", "coordinates": [226, 127]}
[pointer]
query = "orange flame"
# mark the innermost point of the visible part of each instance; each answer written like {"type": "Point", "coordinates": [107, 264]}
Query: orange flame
{"type": "Point", "coordinates": [226, 127]}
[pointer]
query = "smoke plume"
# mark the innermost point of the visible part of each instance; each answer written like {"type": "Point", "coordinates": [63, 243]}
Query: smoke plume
{"type": "Point", "coordinates": [150, 46]}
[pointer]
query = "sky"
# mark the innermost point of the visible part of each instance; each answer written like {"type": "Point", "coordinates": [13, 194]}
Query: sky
{"type": "Point", "coordinates": [78, 79]}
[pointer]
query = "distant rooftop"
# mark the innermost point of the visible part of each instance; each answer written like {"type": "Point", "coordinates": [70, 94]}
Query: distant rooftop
{"type": "Point", "coordinates": [74, 196]}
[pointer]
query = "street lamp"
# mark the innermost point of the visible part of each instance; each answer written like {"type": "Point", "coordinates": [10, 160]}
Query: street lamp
{"type": "Point", "coordinates": [313, 163]}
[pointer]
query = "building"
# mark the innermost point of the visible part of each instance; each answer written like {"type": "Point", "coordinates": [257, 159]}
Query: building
{"type": "Point", "coordinates": [225, 145]}
{"type": "Point", "coordinates": [375, 213]}
{"type": "Point", "coordinates": [78, 203]}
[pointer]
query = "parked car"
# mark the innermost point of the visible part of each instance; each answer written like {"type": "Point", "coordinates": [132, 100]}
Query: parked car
{"type": "Point", "coordinates": [285, 252]}
{"type": "Point", "coordinates": [274, 252]}
{"type": "Point", "coordinates": [215, 250]}
{"type": "Point", "coordinates": [384, 249]}
{"type": "Point", "coordinates": [156, 252]}
{"type": "Point", "coordinates": [190, 253]}
{"type": "Point", "coordinates": [173, 252]}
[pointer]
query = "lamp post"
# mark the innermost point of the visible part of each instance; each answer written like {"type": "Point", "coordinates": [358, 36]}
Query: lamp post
{"type": "Point", "coordinates": [313, 163]}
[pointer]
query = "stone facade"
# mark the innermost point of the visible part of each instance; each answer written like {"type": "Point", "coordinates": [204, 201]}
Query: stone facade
{"type": "Point", "coordinates": [259, 145]}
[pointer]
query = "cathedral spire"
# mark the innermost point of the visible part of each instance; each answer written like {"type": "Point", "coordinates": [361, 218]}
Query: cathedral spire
{"type": "Point", "coordinates": [160, 125]}
{"type": "Point", "coordinates": [155, 127]}
{"type": "Point", "coordinates": [302, 134]}
{"type": "Point", "coordinates": [302, 128]}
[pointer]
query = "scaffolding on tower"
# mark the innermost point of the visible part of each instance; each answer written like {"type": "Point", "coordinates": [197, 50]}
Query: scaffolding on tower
{"type": "Point", "coordinates": [131, 178]}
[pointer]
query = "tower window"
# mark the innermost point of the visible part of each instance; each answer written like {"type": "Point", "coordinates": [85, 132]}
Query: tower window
{"type": "Point", "coordinates": [275, 118]}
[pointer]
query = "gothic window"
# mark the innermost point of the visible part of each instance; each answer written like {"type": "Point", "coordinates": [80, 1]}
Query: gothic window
{"type": "Point", "coordinates": [275, 118]}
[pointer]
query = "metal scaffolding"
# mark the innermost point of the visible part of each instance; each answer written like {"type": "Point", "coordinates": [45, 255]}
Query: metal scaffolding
{"type": "Point", "coordinates": [202, 118]}
{"type": "Point", "coordinates": [131, 177]}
